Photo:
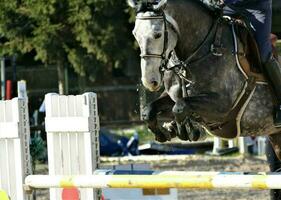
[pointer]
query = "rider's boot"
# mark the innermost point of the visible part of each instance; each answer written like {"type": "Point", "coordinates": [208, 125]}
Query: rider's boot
{"type": "Point", "coordinates": [274, 166]}
{"type": "Point", "coordinates": [273, 69]}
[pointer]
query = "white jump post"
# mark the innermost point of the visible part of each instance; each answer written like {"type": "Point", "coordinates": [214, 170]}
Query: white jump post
{"type": "Point", "coordinates": [243, 148]}
{"type": "Point", "coordinates": [15, 162]}
{"type": "Point", "coordinates": [237, 142]}
{"type": "Point", "coordinates": [72, 126]}
{"type": "Point", "coordinates": [218, 144]}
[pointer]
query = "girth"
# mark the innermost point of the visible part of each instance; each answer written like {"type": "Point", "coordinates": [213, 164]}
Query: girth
{"type": "Point", "coordinates": [231, 127]}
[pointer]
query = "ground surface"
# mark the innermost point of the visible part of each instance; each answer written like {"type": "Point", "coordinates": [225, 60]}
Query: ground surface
{"type": "Point", "coordinates": [195, 163]}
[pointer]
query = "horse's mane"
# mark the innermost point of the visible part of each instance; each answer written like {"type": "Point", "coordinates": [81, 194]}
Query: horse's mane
{"type": "Point", "coordinates": [208, 5]}
{"type": "Point", "coordinates": [146, 5]}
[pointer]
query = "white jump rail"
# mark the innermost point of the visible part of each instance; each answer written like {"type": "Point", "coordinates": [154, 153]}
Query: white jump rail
{"type": "Point", "coordinates": [170, 179]}
{"type": "Point", "coordinates": [72, 126]}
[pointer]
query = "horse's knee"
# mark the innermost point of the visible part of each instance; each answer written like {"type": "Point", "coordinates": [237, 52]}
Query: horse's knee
{"type": "Point", "coordinates": [149, 113]}
{"type": "Point", "coordinates": [178, 108]}
{"type": "Point", "coordinates": [179, 111]}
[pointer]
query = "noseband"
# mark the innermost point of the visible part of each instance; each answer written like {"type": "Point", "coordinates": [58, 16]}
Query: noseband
{"type": "Point", "coordinates": [162, 56]}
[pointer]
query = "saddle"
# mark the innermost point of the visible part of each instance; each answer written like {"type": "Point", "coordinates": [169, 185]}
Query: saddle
{"type": "Point", "coordinates": [248, 54]}
{"type": "Point", "coordinates": [249, 57]}
{"type": "Point", "coordinates": [249, 63]}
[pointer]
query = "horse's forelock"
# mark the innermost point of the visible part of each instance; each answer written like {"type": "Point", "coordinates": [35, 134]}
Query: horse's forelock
{"type": "Point", "coordinates": [147, 5]}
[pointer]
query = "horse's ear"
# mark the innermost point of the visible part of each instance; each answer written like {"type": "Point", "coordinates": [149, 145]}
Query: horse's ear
{"type": "Point", "coordinates": [132, 3]}
{"type": "Point", "coordinates": [161, 5]}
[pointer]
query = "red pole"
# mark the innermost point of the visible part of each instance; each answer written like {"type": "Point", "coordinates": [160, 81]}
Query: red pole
{"type": "Point", "coordinates": [9, 90]}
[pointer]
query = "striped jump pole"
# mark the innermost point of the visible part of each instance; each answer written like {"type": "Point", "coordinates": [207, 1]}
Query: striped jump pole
{"type": "Point", "coordinates": [170, 179]}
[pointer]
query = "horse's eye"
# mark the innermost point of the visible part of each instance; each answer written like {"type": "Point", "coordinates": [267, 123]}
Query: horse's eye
{"type": "Point", "coordinates": [157, 35]}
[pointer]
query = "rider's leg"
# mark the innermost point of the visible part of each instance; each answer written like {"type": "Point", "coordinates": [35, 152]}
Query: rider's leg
{"type": "Point", "coordinates": [259, 14]}
{"type": "Point", "coordinates": [273, 69]}
{"type": "Point", "coordinates": [261, 21]}
{"type": "Point", "coordinates": [275, 166]}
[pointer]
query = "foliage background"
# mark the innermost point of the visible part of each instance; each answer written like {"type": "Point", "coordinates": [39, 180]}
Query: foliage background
{"type": "Point", "coordinates": [91, 36]}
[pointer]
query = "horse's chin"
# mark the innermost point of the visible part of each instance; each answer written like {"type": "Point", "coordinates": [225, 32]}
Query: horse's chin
{"type": "Point", "coordinates": [154, 89]}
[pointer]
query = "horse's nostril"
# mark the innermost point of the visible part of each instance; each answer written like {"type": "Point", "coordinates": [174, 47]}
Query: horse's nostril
{"type": "Point", "coordinates": [154, 83]}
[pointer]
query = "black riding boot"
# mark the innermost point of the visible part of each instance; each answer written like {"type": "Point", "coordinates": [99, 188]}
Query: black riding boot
{"type": "Point", "coordinates": [273, 69]}
{"type": "Point", "coordinates": [275, 166]}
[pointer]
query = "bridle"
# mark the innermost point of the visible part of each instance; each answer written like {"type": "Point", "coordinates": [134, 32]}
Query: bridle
{"type": "Point", "coordinates": [181, 68]}
{"type": "Point", "coordinates": [162, 56]}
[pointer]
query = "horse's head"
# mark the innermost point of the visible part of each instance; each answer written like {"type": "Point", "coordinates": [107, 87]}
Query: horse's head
{"type": "Point", "coordinates": [157, 37]}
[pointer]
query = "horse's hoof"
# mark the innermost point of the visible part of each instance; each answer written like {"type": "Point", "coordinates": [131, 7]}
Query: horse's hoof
{"type": "Point", "coordinates": [171, 127]}
{"type": "Point", "coordinates": [160, 138]}
{"type": "Point", "coordinates": [195, 135]}
{"type": "Point", "coordinates": [182, 134]}
{"type": "Point", "coordinates": [167, 134]}
{"type": "Point", "coordinates": [161, 135]}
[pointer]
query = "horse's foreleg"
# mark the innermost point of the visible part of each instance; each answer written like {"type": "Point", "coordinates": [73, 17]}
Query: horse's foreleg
{"type": "Point", "coordinates": [273, 161]}
{"type": "Point", "coordinates": [161, 105]}
{"type": "Point", "coordinates": [183, 110]}
{"type": "Point", "coordinates": [179, 111]}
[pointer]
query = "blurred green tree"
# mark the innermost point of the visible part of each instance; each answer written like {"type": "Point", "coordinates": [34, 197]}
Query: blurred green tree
{"type": "Point", "coordinates": [88, 35]}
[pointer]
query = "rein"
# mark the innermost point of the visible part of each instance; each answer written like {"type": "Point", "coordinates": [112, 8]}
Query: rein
{"type": "Point", "coordinates": [189, 60]}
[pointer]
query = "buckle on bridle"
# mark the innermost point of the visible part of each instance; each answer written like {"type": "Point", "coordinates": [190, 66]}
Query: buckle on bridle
{"type": "Point", "coordinates": [216, 50]}
{"type": "Point", "coordinates": [163, 67]}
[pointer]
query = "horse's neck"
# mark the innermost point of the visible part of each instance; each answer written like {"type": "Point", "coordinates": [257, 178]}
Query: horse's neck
{"type": "Point", "coordinates": [194, 22]}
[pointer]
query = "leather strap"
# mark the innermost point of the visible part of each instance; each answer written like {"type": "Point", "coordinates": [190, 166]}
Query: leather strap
{"type": "Point", "coordinates": [216, 47]}
{"type": "Point", "coordinates": [229, 128]}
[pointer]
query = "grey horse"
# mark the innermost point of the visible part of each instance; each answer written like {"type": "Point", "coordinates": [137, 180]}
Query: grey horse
{"type": "Point", "coordinates": [169, 31]}
{"type": "Point", "coordinates": [215, 83]}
